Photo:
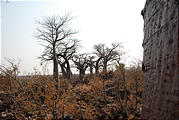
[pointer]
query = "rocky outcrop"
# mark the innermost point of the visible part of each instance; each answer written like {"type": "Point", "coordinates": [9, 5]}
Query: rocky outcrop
{"type": "Point", "coordinates": [160, 60]}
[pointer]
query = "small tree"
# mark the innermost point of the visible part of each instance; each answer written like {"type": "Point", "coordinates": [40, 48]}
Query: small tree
{"type": "Point", "coordinates": [53, 30]}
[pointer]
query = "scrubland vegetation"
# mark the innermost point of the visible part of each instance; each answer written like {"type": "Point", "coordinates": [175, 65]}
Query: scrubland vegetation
{"type": "Point", "coordinates": [103, 93]}
{"type": "Point", "coordinates": [114, 94]}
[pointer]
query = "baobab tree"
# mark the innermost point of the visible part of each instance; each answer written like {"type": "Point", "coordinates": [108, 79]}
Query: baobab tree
{"type": "Point", "coordinates": [81, 62]}
{"type": "Point", "coordinates": [98, 51]}
{"type": "Point", "coordinates": [65, 53]}
{"type": "Point", "coordinates": [91, 63]}
{"type": "Point", "coordinates": [106, 54]}
{"type": "Point", "coordinates": [52, 31]}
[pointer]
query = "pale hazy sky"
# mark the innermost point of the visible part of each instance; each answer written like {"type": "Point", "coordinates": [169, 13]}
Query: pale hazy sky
{"type": "Point", "coordinates": [98, 21]}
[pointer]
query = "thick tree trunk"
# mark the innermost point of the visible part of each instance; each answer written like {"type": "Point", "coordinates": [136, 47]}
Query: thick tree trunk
{"type": "Point", "coordinates": [97, 66]}
{"type": "Point", "coordinates": [96, 69]}
{"type": "Point", "coordinates": [68, 70]}
{"type": "Point", "coordinates": [55, 67]}
{"type": "Point", "coordinates": [81, 73]}
{"type": "Point", "coordinates": [91, 70]}
{"type": "Point", "coordinates": [104, 66]}
{"type": "Point", "coordinates": [69, 73]}
{"type": "Point", "coordinates": [161, 60]}
{"type": "Point", "coordinates": [64, 73]}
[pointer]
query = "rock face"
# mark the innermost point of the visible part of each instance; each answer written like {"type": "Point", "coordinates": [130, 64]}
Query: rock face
{"type": "Point", "coordinates": [160, 60]}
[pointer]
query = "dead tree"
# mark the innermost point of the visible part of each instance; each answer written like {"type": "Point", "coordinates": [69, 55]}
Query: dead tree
{"type": "Point", "coordinates": [51, 31]}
